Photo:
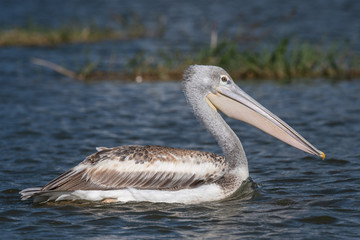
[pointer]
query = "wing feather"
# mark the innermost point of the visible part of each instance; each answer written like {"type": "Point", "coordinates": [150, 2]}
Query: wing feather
{"type": "Point", "coordinates": [142, 167]}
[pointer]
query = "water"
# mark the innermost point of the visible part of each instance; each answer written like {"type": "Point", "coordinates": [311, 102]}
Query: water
{"type": "Point", "coordinates": [187, 24]}
{"type": "Point", "coordinates": [188, 21]}
{"type": "Point", "coordinates": [49, 123]}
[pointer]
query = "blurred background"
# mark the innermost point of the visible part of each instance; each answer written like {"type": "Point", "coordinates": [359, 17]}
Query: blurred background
{"type": "Point", "coordinates": [76, 75]}
{"type": "Point", "coordinates": [157, 40]}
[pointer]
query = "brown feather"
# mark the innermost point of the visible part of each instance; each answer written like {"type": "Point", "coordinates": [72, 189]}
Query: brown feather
{"type": "Point", "coordinates": [96, 171]}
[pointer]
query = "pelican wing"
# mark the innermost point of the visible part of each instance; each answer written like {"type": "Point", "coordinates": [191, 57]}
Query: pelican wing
{"type": "Point", "coordinates": [142, 167]}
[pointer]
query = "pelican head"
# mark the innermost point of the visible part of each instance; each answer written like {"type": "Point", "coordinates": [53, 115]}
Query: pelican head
{"type": "Point", "coordinates": [163, 174]}
{"type": "Point", "coordinates": [215, 86]}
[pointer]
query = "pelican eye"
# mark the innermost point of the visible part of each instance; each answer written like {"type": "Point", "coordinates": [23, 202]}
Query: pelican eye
{"type": "Point", "coordinates": [224, 79]}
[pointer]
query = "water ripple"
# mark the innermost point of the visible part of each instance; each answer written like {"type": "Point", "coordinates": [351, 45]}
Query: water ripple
{"type": "Point", "coordinates": [290, 195]}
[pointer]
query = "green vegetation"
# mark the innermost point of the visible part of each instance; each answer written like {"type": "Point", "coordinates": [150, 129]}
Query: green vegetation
{"type": "Point", "coordinates": [40, 36]}
{"type": "Point", "coordinates": [288, 59]}
{"type": "Point", "coordinates": [285, 61]}
{"type": "Point", "coordinates": [124, 27]}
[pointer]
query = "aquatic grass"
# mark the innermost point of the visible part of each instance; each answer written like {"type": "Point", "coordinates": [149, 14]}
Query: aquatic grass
{"type": "Point", "coordinates": [126, 26]}
{"type": "Point", "coordinates": [286, 60]}
{"type": "Point", "coordinates": [283, 62]}
{"type": "Point", "coordinates": [48, 37]}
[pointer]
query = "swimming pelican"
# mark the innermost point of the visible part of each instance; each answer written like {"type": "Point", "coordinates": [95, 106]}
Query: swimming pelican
{"type": "Point", "coordinates": [164, 174]}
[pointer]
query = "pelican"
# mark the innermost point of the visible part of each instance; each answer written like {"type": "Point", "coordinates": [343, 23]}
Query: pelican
{"type": "Point", "coordinates": [165, 174]}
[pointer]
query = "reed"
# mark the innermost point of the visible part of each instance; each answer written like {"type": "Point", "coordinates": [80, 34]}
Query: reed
{"type": "Point", "coordinates": [125, 26]}
{"type": "Point", "coordinates": [49, 37]}
{"type": "Point", "coordinates": [285, 61]}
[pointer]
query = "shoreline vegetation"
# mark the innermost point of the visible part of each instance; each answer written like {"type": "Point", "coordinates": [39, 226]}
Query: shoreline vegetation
{"type": "Point", "coordinates": [124, 27]}
{"type": "Point", "coordinates": [286, 60]}
{"type": "Point", "coordinates": [283, 63]}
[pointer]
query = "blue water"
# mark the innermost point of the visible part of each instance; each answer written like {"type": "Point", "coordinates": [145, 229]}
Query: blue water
{"type": "Point", "coordinates": [49, 123]}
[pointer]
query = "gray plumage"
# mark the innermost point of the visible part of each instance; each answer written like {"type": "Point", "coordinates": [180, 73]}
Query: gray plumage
{"type": "Point", "coordinates": [101, 170]}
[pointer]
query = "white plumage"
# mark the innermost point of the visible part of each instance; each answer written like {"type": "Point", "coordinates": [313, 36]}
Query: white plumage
{"type": "Point", "coordinates": [163, 174]}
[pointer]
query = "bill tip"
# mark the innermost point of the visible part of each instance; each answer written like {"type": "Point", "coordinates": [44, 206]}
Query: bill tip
{"type": "Point", "coordinates": [322, 155]}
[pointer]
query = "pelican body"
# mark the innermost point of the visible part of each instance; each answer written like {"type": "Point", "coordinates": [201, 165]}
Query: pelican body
{"type": "Point", "coordinates": [164, 174]}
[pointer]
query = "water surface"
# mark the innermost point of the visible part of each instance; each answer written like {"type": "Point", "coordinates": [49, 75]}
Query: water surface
{"type": "Point", "coordinates": [49, 125]}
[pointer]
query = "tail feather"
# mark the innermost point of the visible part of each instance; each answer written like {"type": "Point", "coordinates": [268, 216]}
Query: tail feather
{"type": "Point", "coordinates": [40, 196]}
{"type": "Point", "coordinates": [29, 192]}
